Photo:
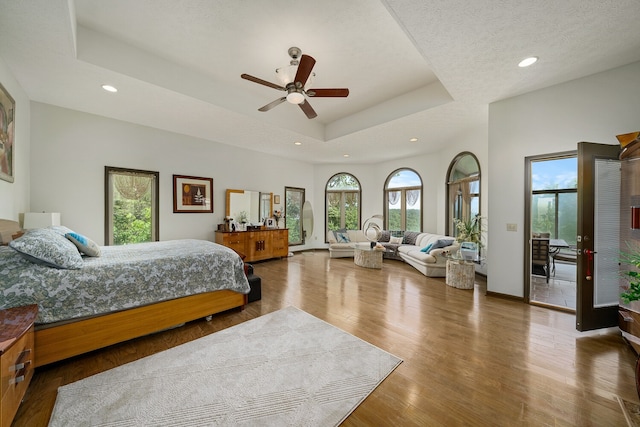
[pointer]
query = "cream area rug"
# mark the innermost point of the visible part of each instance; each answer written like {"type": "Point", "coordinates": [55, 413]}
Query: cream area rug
{"type": "Point", "coordinates": [286, 368]}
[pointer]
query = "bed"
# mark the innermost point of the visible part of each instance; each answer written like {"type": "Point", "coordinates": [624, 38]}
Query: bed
{"type": "Point", "coordinates": [89, 302]}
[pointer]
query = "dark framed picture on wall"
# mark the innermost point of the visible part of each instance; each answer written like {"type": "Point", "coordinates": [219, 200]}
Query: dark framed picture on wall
{"type": "Point", "coordinates": [192, 194]}
{"type": "Point", "coordinates": [7, 143]}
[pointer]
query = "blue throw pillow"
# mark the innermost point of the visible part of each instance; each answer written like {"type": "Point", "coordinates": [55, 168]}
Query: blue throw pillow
{"type": "Point", "coordinates": [441, 243]}
{"type": "Point", "coordinates": [84, 244]}
{"type": "Point", "coordinates": [426, 248]}
{"type": "Point", "coordinates": [342, 238]}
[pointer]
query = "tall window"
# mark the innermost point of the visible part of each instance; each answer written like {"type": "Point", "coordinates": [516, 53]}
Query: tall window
{"type": "Point", "coordinates": [342, 203]}
{"type": "Point", "coordinates": [131, 206]}
{"type": "Point", "coordinates": [293, 201]}
{"type": "Point", "coordinates": [554, 201]}
{"type": "Point", "coordinates": [403, 201]}
{"type": "Point", "coordinates": [463, 190]}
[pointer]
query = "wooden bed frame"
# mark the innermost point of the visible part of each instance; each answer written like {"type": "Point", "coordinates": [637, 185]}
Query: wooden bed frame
{"type": "Point", "coordinates": [58, 342]}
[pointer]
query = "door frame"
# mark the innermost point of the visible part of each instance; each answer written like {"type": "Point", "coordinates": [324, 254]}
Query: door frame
{"type": "Point", "coordinates": [528, 193]}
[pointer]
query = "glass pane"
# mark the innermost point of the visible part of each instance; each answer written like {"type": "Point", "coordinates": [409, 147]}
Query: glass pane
{"type": "Point", "coordinates": [413, 204]}
{"type": "Point", "coordinates": [475, 206]}
{"type": "Point", "coordinates": [404, 178]}
{"type": "Point", "coordinates": [132, 204]}
{"type": "Point", "coordinates": [293, 207]}
{"type": "Point", "coordinates": [393, 210]}
{"type": "Point", "coordinates": [351, 219]}
{"type": "Point", "coordinates": [554, 174]}
{"type": "Point", "coordinates": [343, 182]}
{"type": "Point", "coordinates": [464, 167]}
{"type": "Point", "coordinates": [333, 211]}
{"type": "Point", "coordinates": [568, 217]}
{"type": "Point", "coordinates": [543, 214]}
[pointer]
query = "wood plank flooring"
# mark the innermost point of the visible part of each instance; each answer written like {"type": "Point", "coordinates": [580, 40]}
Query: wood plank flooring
{"type": "Point", "coordinates": [469, 359]}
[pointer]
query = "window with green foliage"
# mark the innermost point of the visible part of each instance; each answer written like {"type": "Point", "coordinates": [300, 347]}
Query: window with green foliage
{"type": "Point", "coordinates": [554, 200]}
{"type": "Point", "coordinates": [342, 203]}
{"type": "Point", "coordinates": [293, 202]}
{"type": "Point", "coordinates": [131, 206]}
{"type": "Point", "coordinates": [403, 201]}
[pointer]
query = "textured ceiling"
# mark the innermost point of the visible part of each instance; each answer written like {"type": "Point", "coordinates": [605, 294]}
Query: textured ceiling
{"type": "Point", "coordinates": [418, 68]}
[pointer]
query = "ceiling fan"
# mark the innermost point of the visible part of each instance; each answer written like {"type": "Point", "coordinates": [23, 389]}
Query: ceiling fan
{"type": "Point", "coordinates": [295, 85]}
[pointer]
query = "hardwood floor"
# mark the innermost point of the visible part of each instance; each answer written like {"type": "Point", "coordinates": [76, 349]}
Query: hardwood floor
{"type": "Point", "coordinates": [469, 359]}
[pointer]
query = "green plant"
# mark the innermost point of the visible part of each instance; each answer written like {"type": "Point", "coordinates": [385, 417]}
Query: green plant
{"type": "Point", "coordinates": [632, 292]}
{"type": "Point", "coordinates": [469, 230]}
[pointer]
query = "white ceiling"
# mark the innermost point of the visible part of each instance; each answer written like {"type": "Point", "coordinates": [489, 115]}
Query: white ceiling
{"type": "Point", "coordinates": [414, 68]}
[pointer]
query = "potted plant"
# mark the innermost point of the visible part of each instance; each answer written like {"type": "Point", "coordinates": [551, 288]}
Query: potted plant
{"type": "Point", "coordinates": [469, 235]}
{"type": "Point", "coordinates": [632, 291]}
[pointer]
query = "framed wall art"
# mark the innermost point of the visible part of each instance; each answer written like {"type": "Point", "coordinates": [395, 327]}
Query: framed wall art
{"type": "Point", "coordinates": [7, 143]}
{"type": "Point", "coordinates": [192, 194]}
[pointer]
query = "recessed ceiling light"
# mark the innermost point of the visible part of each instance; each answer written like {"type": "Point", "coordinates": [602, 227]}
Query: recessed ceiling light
{"type": "Point", "coordinates": [345, 155]}
{"type": "Point", "coordinates": [109, 88]}
{"type": "Point", "coordinates": [298, 143]}
{"type": "Point", "coordinates": [528, 61]}
{"type": "Point", "coordinates": [413, 139]}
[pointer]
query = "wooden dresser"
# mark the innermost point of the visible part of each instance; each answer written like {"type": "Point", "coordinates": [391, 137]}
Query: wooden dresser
{"type": "Point", "coordinates": [16, 358]}
{"type": "Point", "coordinates": [256, 245]}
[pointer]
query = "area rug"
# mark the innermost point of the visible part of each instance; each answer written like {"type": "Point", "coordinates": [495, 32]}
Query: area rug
{"type": "Point", "coordinates": [631, 411]}
{"type": "Point", "coordinates": [286, 368]}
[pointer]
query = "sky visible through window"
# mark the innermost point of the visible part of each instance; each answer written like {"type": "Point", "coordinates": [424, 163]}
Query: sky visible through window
{"type": "Point", "coordinates": [554, 174]}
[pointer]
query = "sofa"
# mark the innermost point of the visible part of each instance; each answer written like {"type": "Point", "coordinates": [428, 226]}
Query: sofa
{"type": "Point", "coordinates": [411, 248]}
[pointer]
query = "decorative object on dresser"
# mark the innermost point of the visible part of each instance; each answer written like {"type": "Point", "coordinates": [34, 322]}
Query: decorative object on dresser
{"type": "Point", "coordinates": [257, 245]}
{"type": "Point", "coordinates": [16, 358]}
{"type": "Point", "coordinates": [192, 194]}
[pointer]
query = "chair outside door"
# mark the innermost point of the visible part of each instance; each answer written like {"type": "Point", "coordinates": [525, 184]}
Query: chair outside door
{"type": "Point", "coordinates": [540, 256]}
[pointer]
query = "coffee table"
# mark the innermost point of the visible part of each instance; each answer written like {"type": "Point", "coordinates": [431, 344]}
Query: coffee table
{"type": "Point", "coordinates": [365, 256]}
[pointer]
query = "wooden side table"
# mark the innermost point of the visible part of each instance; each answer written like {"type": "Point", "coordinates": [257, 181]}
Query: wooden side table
{"type": "Point", "coordinates": [460, 274]}
{"type": "Point", "coordinates": [16, 358]}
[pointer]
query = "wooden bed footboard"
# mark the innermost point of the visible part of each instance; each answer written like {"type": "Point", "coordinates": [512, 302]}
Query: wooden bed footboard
{"type": "Point", "coordinates": [71, 339]}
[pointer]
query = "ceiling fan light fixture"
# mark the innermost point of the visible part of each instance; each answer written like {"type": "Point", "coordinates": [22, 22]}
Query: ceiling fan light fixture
{"type": "Point", "coordinates": [295, 98]}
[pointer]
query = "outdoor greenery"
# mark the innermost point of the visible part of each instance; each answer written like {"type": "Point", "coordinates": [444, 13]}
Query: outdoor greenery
{"type": "Point", "coordinates": [632, 292]}
{"type": "Point", "coordinates": [132, 220]}
{"type": "Point", "coordinates": [412, 220]}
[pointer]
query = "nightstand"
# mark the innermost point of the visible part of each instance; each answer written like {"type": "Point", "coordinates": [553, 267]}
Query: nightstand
{"type": "Point", "coordinates": [16, 358]}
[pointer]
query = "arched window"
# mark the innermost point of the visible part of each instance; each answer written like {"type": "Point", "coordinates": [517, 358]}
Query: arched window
{"type": "Point", "coordinates": [342, 196]}
{"type": "Point", "coordinates": [403, 201]}
{"type": "Point", "coordinates": [463, 190]}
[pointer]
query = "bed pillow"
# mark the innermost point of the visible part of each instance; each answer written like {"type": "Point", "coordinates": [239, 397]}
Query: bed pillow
{"type": "Point", "coordinates": [441, 243]}
{"type": "Point", "coordinates": [84, 244]}
{"type": "Point", "coordinates": [47, 247]}
{"type": "Point", "coordinates": [395, 240]}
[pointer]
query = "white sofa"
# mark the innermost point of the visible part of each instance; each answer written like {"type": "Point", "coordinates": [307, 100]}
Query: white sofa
{"type": "Point", "coordinates": [432, 264]}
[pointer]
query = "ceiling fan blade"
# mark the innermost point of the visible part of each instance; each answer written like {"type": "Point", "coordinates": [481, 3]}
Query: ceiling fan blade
{"type": "Point", "coordinates": [335, 92]}
{"type": "Point", "coordinates": [270, 105]}
{"type": "Point", "coordinates": [308, 110]}
{"type": "Point", "coordinates": [304, 70]}
{"type": "Point", "coordinates": [262, 82]}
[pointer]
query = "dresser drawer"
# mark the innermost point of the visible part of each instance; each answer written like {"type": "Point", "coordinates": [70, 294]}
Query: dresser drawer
{"type": "Point", "coordinates": [16, 366]}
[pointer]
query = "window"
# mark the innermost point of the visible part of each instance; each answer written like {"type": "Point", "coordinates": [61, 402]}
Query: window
{"type": "Point", "coordinates": [463, 190]}
{"type": "Point", "coordinates": [293, 202]}
{"type": "Point", "coordinates": [403, 201]}
{"type": "Point", "coordinates": [554, 200]}
{"type": "Point", "coordinates": [131, 206]}
{"type": "Point", "coordinates": [342, 203]}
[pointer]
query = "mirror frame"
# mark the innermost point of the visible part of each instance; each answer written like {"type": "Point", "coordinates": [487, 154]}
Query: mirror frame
{"type": "Point", "coordinates": [260, 194]}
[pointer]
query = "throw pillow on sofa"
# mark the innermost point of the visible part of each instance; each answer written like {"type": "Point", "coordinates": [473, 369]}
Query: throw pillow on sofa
{"type": "Point", "coordinates": [395, 240]}
{"type": "Point", "coordinates": [441, 243]}
{"type": "Point", "coordinates": [427, 248]}
{"type": "Point", "coordinates": [342, 238]}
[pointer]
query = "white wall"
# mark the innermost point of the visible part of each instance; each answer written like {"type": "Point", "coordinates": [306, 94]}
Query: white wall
{"type": "Point", "coordinates": [70, 150]}
{"type": "Point", "coordinates": [14, 196]}
{"type": "Point", "coordinates": [555, 119]}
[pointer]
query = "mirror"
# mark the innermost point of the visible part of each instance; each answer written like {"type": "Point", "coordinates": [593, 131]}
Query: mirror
{"type": "Point", "coordinates": [255, 204]}
{"type": "Point", "coordinates": [307, 220]}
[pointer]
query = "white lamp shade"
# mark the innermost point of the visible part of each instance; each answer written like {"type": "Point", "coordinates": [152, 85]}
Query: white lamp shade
{"type": "Point", "coordinates": [40, 219]}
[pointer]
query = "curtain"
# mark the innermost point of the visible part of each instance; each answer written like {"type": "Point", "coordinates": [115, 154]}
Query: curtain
{"type": "Point", "coordinates": [412, 197]}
